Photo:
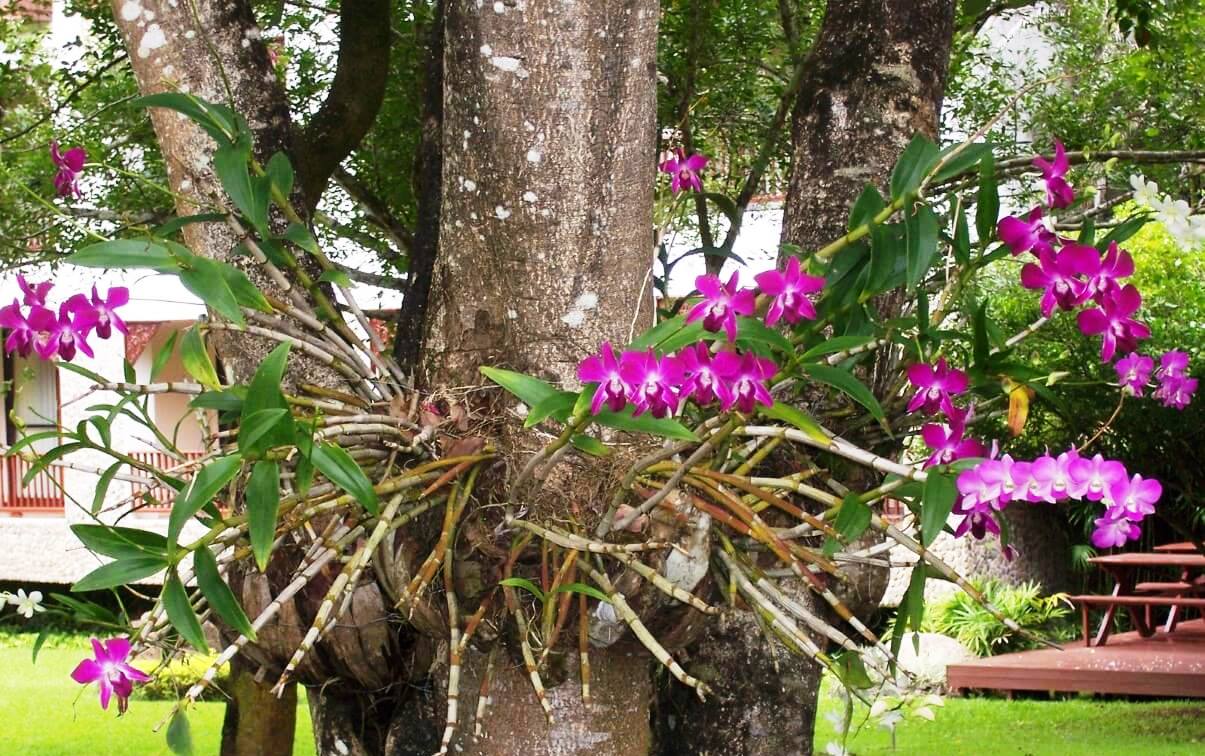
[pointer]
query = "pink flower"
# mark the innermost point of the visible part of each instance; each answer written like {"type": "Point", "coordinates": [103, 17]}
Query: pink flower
{"type": "Point", "coordinates": [721, 304]}
{"type": "Point", "coordinates": [603, 369]}
{"type": "Point", "coordinates": [1059, 273]}
{"type": "Point", "coordinates": [1026, 235]}
{"type": "Point", "coordinates": [746, 376]}
{"type": "Point", "coordinates": [948, 442]}
{"type": "Point", "coordinates": [1058, 192]}
{"type": "Point", "coordinates": [1063, 484]}
{"type": "Point", "coordinates": [1174, 364]}
{"type": "Point", "coordinates": [1116, 264]}
{"type": "Point", "coordinates": [653, 381]}
{"type": "Point", "coordinates": [702, 383]}
{"type": "Point", "coordinates": [1112, 321]}
{"type": "Point", "coordinates": [1114, 530]}
{"type": "Point", "coordinates": [104, 310]}
{"type": "Point", "coordinates": [684, 171]}
{"type": "Point", "coordinates": [1135, 497]}
{"type": "Point", "coordinates": [1134, 372]}
{"type": "Point", "coordinates": [1176, 391]}
{"type": "Point", "coordinates": [790, 291]}
{"type": "Point", "coordinates": [935, 384]}
{"type": "Point", "coordinates": [1097, 476]}
{"type": "Point", "coordinates": [20, 333]}
{"type": "Point", "coordinates": [35, 294]}
{"type": "Point", "coordinates": [69, 165]}
{"type": "Point", "coordinates": [110, 671]}
{"type": "Point", "coordinates": [62, 335]}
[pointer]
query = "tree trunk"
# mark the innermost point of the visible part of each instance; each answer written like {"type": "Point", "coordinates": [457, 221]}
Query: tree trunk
{"type": "Point", "coordinates": [257, 723]}
{"type": "Point", "coordinates": [875, 78]}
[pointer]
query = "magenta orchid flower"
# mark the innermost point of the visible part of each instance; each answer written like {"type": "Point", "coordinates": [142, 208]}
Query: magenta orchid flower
{"type": "Point", "coordinates": [1029, 235]}
{"type": "Point", "coordinates": [746, 376]}
{"type": "Point", "coordinates": [111, 672]}
{"type": "Point", "coordinates": [684, 171]}
{"type": "Point", "coordinates": [69, 164]}
{"type": "Point", "coordinates": [653, 382]}
{"type": "Point", "coordinates": [1176, 391]}
{"type": "Point", "coordinates": [949, 444]}
{"type": "Point", "coordinates": [1114, 529]}
{"type": "Point", "coordinates": [1097, 476]}
{"type": "Point", "coordinates": [35, 294]}
{"type": "Point", "coordinates": [64, 334]}
{"type": "Point", "coordinates": [1116, 264]}
{"type": "Point", "coordinates": [20, 332]}
{"type": "Point", "coordinates": [790, 290]}
{"type": "Point", "coordinates": [1058, 192]}
{"type": "Point", "coordinates": [613, 390]}
{"type": "Point", "coordinates": [721, 304]}
{"type": "Point", "coordinates": [1134, 372]}
{"type": "Point", "coordinates": [702, 383]}
{"type": "Point", "coordinates": [1174, 364]}
{"type": "Point", "coordinates": [1135, 497]}
{"type": "Point", "coordinates": [1059, 273]}
{"type": "Point", "coordinates": [935, 384]}
{"type": "Point", "coordinates": [1112, 322]}
{"type": "Point", "coordinates": [104, 310]}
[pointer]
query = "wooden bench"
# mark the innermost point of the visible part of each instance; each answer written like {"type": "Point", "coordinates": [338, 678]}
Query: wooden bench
{"type": "Point", "coordinates": [1134, 603]}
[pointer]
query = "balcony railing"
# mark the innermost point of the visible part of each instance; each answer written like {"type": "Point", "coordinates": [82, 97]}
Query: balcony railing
{"type": "Point", "coordinates": [158, 497]}
{"type": "Point", "coordinates": [43, 492]}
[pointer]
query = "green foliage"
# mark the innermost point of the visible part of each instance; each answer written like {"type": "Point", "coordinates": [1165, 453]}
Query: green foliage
{"type": "Point", "coordinates": [964, 618]}
{"type": "Point", "coordinates": [170, 681]}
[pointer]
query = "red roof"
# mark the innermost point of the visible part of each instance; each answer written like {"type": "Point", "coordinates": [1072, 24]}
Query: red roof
{"type": "Point", "coordinates": [34, 10]}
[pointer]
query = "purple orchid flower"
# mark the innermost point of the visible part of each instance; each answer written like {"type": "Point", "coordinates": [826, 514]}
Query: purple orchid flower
{"type": "Point", "coordinates": [35, 294]}
{"type": "Point", "coordinates": [1135, 497]}
{"type": "Point", "coordinates": [722, 303]}
{"type": "Point", "coordinates": [684, 171]}
{"type": "Point", "coordinates": [1174, 364]}
{"type": "Point", "coordinates": [1059, 274]}
{"type": "Point", "coordinates": [1058, 192]}
{"type": "Point", "coordinates": [20, 333]}
{"type": "Point", "coordinates": [746, 376]}
{"type": "Point", "coordinates": [1043, 472]}
{"type": "Point", "coordinates": [1116, 264]}
{"type": "Point", "coordinates": [948, 441]}
{"type": "Point", "coordinates": [1176, 391]}
{"type": "Point", "coordinates": [1097, 476]}
{"type": "Point", "coordinates": [790, 290]}
{"type": "Point", "coordinates": [111, 671]}
{"type": "Point", "coordinates": [1114, 529]}
{"type": "Point", "coordinates": [64, 334]}
{"type": "Point", "coordinates": [1112, 322]}
{"type": "Point", "coordinates": [1134, 372]}
{"type": "Point", "coordinates": [702, 382]}
{"type": "Point", "coordinates": [603, 369]}
{"type": "Point", "coordinates": [1064, 485]}
{"type": "Point", "coordinates": [104, 310]}
{"type": "Point", "coordinates": [935, 384]}
{"type": "Point", "coordinates": [653, 380]}
{"type": "Point", "coordinates": [1029, 235]}
{"type": "Point", "coordinates": [69, 164]}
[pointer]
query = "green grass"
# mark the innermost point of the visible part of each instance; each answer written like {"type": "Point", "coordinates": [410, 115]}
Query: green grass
{"type": "Point", "coordinates": [45, 713]}
{"type": "Point", "coordinates": [998, 727]}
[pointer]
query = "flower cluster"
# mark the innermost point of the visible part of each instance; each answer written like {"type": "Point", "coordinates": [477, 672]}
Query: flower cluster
{"type": "Point", "coordinates": [1174, 386]}
{"type": "Point", "coordinates": [991, 485]}
{"type": "Point", "coordinates": [936, 385]}
{"type": "Point", "coordinates": [111, 671]}
{"type": "Point", "coordinates": [43, 331]}
{"type": "Point", "coordinates": [1176, 215]}
{"type": "Point", "coordinates": [27, 604]}
{"type": "Point", "coordinates": [684, 170]}
{"type": "Point", "coordinates": [68, 167]}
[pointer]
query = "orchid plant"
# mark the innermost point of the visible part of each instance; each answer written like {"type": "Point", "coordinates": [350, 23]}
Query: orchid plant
{"type": "Point", "coordinates": [752, 408]}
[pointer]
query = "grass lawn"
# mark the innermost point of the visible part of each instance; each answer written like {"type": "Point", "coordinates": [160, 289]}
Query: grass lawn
{"type": "Point", "coordinates": [45, 713]}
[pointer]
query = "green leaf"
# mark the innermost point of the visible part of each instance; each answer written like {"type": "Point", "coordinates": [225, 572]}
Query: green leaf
{"type": "Point", "coordinates": [911, 611]}
{"type": "Point", "coordinates": [869, 204]}
{"type": "Point", "coordinates": [852, 520]}
{"type": "Point", "coordinates": [259, 423]}
{"type": "Point", "coordinates": [833, 345]}
{"type": "Point", "coordinates": [163, 355]}
{"type": "Point", "coordinates": [179, 735]}
{"type": "Point", "coordinates": [221, 598]}
{"type": "Point", "coordinates": [121, 543]}
{"type": "Point", "coordinates": [586, 590]}
{"type": "Point", "coordinates": [43, 634]}
{"type": "Point", "coordinates": [940, 493]}
{"type": "Point", "coordinates": [218, 121]}
{"type": "Point", "coordinates": [525, 584]}
{"type": "Point", "coordinates": [1123, 231]}
{"type": "Point", "coordinates": [102, 485]}
{"type": "Point", "coordinates": [754, 330]}
{"type": "Point", "coordinates": [249, 194]}
{"type": "Point", "coordinates": [264, 394]}
{"type": "Point", "coordinates": [655, 335]}
{"type": "Point", "coordinates": [1087, 233]}
{"type": "Point", "coordinates": [125, 253]}
{"type": "Point", "coordinates": [852, 671]}
{"type": "Point", "coordinates": [335, 276]}
{"type": "Point", "coordinates": [280, 173]}
{"type": "Point", "coordinates": [626, 421]}
{"type": "Point", "coordinates": [590, 445]}
{"type": "Point", "coordinates": [980, 350]}
{"type": "Point", "coordinates": [180, 613]}
{"type": "Point", "coordinates": [207, 279]}
{"type": "Point", "coordinates": [121, 572]}
{"type": "Point", "coordinates": [726, 206]}
{"type": "Point", "coordinates": [845, 382]}
{"type": "Point", "coordinates": [245, 293]}
{"type": "Point", "coordinates": [965, 160]}
{"type": "Point", "coordinates": [301, 236]}
{"type": "Point", "coordinates": [922, 244]}
{"type": "Point", "coordinates": [918, 157]}
{"type": "Point", "coordinates": [686, 336]}
{"type": "Point", "coordinates": [987, 202]}
{"type": "Point", "coordinates": [200, 491]}
{"type": "Point", "coordinates": [338, 466]}
{"type": "Point", "coordinates": [223, 401]}
{"type": "Point", "coordinates": [797, 417]}
{"type": "Point", "coordinates": [961, 243]}
{"type": "Point", "coordinates": [196, 360]}
{"type": "Point", "coordinates": [175, 224]}
{"type": "Point", "coordinates": [531, 391]}
{"type": "Point", "coordinates": [558, 406]}
{"type": "Point", "coordinates": [263, 501]}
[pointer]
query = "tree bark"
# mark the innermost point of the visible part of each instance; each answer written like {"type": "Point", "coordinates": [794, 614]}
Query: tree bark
{"type": "Point", "coordinates": [875, 78]}
{"type": "Point", "coordinates": [257, 723]}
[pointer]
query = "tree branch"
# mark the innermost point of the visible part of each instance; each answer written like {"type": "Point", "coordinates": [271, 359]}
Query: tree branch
{"type": "Point", "coordinates": [376, 209]}
{"type": "Point", "coordinates": [354, 98]}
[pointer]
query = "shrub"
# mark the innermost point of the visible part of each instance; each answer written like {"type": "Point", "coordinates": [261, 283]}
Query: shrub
{"type": "Point", "coordinates": [961, 617]}
{"type": "Point", "coordinates": [170, 681]}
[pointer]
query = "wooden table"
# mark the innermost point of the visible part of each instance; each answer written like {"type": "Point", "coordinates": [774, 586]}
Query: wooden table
{"type": "Point", "coordinates": [1124, 570]}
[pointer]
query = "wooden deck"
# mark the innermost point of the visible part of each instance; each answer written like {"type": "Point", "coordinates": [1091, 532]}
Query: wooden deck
{"type": "Point", "coordinates": [1171, 665]}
